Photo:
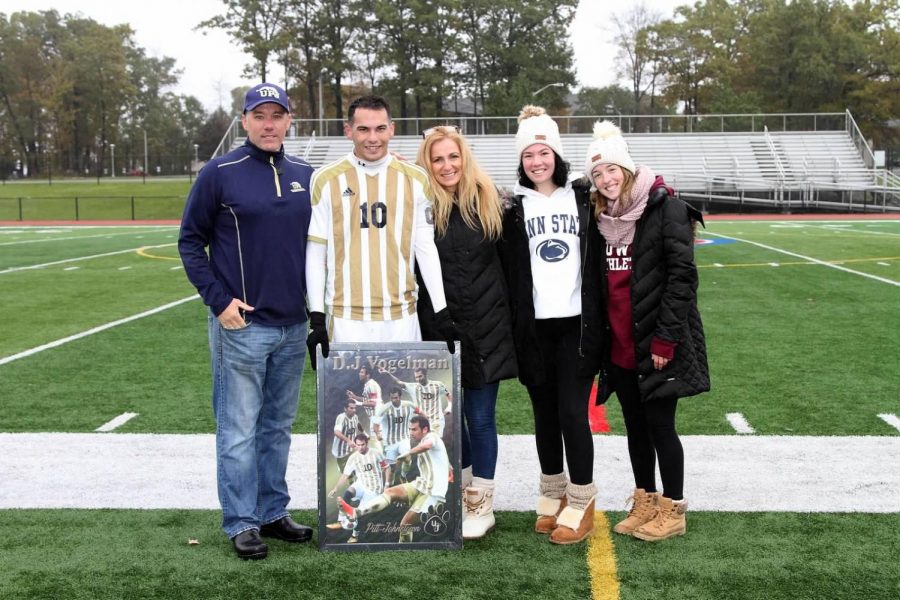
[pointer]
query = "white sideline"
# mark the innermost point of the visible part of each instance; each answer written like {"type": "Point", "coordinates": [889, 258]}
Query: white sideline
{"type": "Point", "coordinates": [723, 473]}
{"type": "Point", "coordinates": [98, 329]}
{"type": "Point", "coordinates": [66, 239]}
{"type": "Point", "coordinates": [809, 258]}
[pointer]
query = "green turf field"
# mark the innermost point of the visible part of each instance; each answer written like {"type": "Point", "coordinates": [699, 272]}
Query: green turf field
{"type": "Point", "coordinates": [802, 325]}
{"type": "Point", "coordinates": [123, 198]}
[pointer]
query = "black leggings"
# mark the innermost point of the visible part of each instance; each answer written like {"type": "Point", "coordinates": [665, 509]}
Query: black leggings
{"type": "Point", "coordinates": [560, 403]}
{"type": "Point", "coordinates": [650, 427]}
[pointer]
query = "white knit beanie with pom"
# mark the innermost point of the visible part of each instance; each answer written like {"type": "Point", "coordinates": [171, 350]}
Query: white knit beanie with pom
{"type": "Point", "coordinates": [608, 147]}
{"type": "Point", "coordinates": [536, 127]}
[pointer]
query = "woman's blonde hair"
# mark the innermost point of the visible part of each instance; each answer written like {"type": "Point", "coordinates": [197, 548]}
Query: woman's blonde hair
{"type": "Point", "coordinates": [601, 202]}
{"type": "Point", "coordinates": [476, 194]}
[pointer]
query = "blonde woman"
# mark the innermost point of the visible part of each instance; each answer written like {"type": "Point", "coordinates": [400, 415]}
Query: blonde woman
{"type": "Point", "coordinates": [467, 225]}
{"type": "Point", "coordinates": [657, 352]}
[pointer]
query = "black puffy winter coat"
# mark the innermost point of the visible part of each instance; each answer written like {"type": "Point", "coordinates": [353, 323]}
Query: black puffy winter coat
{"type": "Point", "coordinates": [664, 299]}
{"type": "Point", "coordinates": [517, 268]}
{"type": "Point", "coordinates": [477, 300]}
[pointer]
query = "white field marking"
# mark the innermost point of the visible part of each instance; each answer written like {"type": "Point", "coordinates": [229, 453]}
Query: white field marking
{"type": "Point", "coordinates": [718, 265]}
{"type": "Point", "coordinates": [734, 473]}
{"type": "Point", "coordinates": [92, 331]}
{"type": "Point", "coordinates": [176, 268]}
{"type": "Point", "coordinates": [124, 268]}
{"type": "Point", "coordinates": [71, 268]}
{"type": "Point", "coordinates": [801, 256]}
{"type": "Point", "coordinates": [774, 265]}
{"type": "Point", "coordinates": [68, 260]}
{"type": "Point", "coordinates": [883, 264]}
{"type": "Point", "coordinates": [65, 239]}
{"type": "Point", "coordinates": [849, 229]}
{"type": "Point", "coordinates": [117, 422]}
{"type": "Point", "coordinates": [739, 423]}
{"type": "Point", "coordinates": [891, 420]}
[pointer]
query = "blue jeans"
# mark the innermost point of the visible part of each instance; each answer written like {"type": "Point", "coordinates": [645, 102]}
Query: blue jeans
{"type": "Point", "coordinates": [479, 430]}
{"type": "Point", "coordinates": [256, 389]}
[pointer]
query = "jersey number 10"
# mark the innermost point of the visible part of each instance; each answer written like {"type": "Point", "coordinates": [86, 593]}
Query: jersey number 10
{"type": "Point", "coordinates": [379, 215]}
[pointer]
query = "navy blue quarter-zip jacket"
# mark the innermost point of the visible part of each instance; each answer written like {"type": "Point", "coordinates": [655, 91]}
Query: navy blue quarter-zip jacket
{"type": "Point", "coordinates": [251, 208]}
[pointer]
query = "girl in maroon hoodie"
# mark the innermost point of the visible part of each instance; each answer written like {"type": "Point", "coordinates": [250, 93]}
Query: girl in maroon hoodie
{"type": "Point", "coordinates": [656, 351]}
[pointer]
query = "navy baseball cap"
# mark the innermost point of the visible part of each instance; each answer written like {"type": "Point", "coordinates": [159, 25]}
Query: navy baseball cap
{"type": "Point", "coordinates": [265, 92]}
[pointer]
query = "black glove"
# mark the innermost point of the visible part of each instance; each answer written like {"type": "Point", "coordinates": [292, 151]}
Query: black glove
{"type": "Point", "coordinates": [318, 335]}
{"type": "Point", "coordinates": [443, 322]}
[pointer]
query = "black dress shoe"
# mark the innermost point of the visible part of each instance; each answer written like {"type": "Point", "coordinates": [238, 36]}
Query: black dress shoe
{"type": "Point", "coordinates": [249, 546]}
{"type": "Point", "coordinates": [286, 529]}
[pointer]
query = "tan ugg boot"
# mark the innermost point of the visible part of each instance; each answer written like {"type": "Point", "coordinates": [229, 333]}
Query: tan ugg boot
{"type": "Point", "coordinates": [551, 501]}
{"type": "Point", "coordinates": [548, 509]}
{"type": "Point", "coordinates": [573, 525]}
{"type": "Point", "coordinates": [643, 507]}
{"type": "Point", "coordinates": [668, 521]}
{"type": "Point", "coordinates": [478, 503]}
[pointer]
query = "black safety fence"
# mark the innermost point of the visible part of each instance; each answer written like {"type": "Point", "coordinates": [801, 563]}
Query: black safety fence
{"type": "Point", "coordinates": [91, 208]}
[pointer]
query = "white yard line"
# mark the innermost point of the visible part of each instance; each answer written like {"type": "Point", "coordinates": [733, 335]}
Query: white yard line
{"type": "Point", "coordinates": [65, 239]}
{"type": "Point", "coordinates": [722, 473]}
{"type": "Point", "coordinates": [114, 424]}
{"type": "Point", "coordinates": [78, 258]}
{"type": "Point", "coordinates": [739, 423]}
{"type": "Point", "coordinates": [808, 258]}
{"type": "Point", "coordinates": [850, 229]}
{"type": "Point", "coordinates": [891, 420]}
{"type": "Point", "coordinates": [92, 331]}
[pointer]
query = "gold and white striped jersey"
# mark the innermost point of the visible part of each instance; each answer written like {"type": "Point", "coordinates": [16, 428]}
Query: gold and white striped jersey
{"type": "Point", "coordinates": [371, 391]}
{"type": "Point", "coordinates": [434, 468]}
{"type": "Point", "coordinates": [395, 421]}
{"type": "Point", "coordinates": [430, 399]}
{"type": "Point", "coordinates": [369, 220]}
{"type": "Point", "coordinates": [368, 469]}
{"type": "Point", "coordinates": [347, 427]}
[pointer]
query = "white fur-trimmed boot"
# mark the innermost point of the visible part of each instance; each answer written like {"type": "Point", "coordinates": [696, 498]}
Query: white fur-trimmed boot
{"type": "Point", "coordinates": [576, 521]}
{"type": "Point", "coordinates": [478, 502]}
{"type": "Point", "coordinates": [551, 502]}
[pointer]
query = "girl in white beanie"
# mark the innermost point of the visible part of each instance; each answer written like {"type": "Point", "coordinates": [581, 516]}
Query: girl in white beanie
{"type": "Point", "coordinates": [550, 244]}
{"type": "Point", "coordinates": [657, 351]}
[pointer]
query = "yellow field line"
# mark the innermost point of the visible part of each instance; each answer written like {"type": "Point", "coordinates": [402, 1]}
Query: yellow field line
{"type": "Point", "coordinates": [145, 254]}
{"type": "Point", "coordinates": [785, 264]}
{"type": "Point", "coordinates": [601, 558]}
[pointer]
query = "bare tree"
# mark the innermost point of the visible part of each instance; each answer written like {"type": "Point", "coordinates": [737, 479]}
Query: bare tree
{"type": "Point", "coordinates": [635, 59]}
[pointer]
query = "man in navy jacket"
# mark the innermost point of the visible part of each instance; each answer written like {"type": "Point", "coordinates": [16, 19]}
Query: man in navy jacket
{"type": "Point", "coordinates": [251, 209]}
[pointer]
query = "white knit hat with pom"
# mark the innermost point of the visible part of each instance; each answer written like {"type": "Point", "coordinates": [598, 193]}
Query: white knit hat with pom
{"type": "Point", "coordinates": [608, 147]}
{"type": "Point", "coordinates": [536, 127]}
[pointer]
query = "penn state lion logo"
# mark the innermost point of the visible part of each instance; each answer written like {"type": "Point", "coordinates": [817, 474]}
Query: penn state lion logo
{"type": "Point", "coordinates": [552, 250]}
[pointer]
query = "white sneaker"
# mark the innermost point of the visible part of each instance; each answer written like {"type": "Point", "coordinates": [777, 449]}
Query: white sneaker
{"type": "Point", "coordinates": [478, 517]}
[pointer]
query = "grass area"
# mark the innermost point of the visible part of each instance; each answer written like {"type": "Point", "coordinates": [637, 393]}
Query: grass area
{"type": "Point", "coordinates": [145, 554]}
{"type": "Point", "coordinates": [120, 198]}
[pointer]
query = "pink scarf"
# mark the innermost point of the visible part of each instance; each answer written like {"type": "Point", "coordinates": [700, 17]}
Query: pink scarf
{"type": "Point", "coordinates": [617, 224]}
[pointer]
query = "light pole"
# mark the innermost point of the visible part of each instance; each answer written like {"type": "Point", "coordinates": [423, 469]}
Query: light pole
{"type": "Point", "coordinates": [112, 154]}
{"type": "Point", "coordinates": [321, 108]}
{"type": "Point", "coordinates": [549, 85]}
{"type": "Point", "coordinates": [196, 147]}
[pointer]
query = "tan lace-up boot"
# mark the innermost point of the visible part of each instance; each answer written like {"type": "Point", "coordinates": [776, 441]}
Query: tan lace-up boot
{"type": "Point", "coordinates": [643, 507]}
{"type": "Point", "coordinates": [668, 521]}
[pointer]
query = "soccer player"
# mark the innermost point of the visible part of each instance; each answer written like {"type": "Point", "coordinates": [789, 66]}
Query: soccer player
{"type": "Point", "coordinates": [431, 397]}
{"type": "Point", "coordinates": [371, 223]}
{"type": "Point", "coordinates": [370, 472]}
{"type": "Point", "coordinates": [428, 491]}
{"type": "Point", "coordinates": [370, 400]}
{"type": "Point", "coordinates": [395, 416]}
{"type": "Point", "coordinates": [345, 427]}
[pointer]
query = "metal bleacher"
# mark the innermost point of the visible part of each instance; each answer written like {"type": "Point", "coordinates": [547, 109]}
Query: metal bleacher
{"type": "Point", "coordinates": [811, 169]}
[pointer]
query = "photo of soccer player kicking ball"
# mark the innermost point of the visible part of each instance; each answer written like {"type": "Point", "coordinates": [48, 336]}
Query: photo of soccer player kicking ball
{"type": "Point", "coordinates": [370, 473]}
{"type": "Point", "coordinates": [425, 496]}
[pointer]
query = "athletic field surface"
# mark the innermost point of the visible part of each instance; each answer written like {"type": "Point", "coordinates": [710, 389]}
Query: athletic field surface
{"type": "Point", "coordinates": [107, 467]}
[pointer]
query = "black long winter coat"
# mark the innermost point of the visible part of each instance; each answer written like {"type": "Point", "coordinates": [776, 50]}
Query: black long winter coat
{"type": "Point", "coordinates": [477, 300]}
{"type": "Point", "coordinates": [517, 268]}
{"type": "Point", "coordinates": [664, 299]}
